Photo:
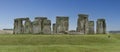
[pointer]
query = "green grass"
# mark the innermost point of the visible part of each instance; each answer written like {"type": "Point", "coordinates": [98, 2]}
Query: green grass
{"type": "Point", "coordinates": [59, 43]}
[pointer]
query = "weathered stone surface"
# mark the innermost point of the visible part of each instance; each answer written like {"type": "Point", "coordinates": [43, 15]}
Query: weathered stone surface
{"type": "Point", "coordinates": [15, 31]}
{"type": "Point", "coordinates": [19, 27]}
{"type": "Point", "coordinates": [101, 26]}
{"type": "Point", "coordinates": [62, 24]}
{"type": "Point", "coordinates": [46, 27]}
{"type": "Point", "coordinates": [41, 25]}
{"type": "Point", "coordinates": [37, 26]}
{"type": "Point", "coordinates": [91, 27]}
{"type": "Point", "coordinates": [82, 24]}
{"type": "Point", "coordinates": [41, 19]}
{"type": "Point", "coordinates": [54, 29]}
{"type": "Point", "coordinates": [27, 26]}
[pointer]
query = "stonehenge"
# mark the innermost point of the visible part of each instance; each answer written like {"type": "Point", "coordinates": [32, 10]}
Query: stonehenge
{"type": "Point", "coordinates": [39, 26]}
{"type": "Point", "coordinates": [54, 28]}
{"type": "Point", "coordinates": [101, 26]}
{"type": "Point", "coordinates": [82, 23]}
{"type": "Point", "coordinates": [42, 25]}
{"type": "Point", "coordinates": [62, 24]}
{"type": "Point", "coordinates": [20, 27]}
{"type": "Point", "coordinates": [91, 27]}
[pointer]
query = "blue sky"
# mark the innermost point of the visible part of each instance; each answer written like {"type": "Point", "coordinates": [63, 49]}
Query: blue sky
{"type": "Point", "coordinates": [108, 9]}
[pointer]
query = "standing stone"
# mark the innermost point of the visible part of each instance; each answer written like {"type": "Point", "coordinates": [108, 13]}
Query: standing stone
{"type": "Point", "coordinates": [62, 24]}
{"type": "Point", "coordinates": [41, 19]}
{"type": "Point", "coordinates": [54, 29]}
{"type": "Point", "coordinates": [19, 27]}
{"type": "Point", "coordinates": [82, 24]}
{"type": "Point", "coordinates": [101, 26]}
{"type": "Point", "coordinates": [37, 26]}
{"type": "Point", "coordinates": [91, 27]}
{"type": "Point", "coordinates": [27, 26]}
{"type": "Point", "coordinates": [46, 27]}
{"type": "Point", "coordinates": [41, 24]}
{"type": "Point", "coordinates": [15, 31]}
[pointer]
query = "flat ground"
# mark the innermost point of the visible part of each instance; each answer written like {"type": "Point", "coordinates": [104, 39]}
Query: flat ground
{"type": "Point", "coordinates": [59, 43]}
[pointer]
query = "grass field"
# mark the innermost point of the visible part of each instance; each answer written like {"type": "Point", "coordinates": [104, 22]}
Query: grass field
{"type": "Point", "coordinates": [59, 43]}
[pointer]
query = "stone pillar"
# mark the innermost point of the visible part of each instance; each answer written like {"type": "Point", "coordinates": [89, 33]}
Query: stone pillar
{"type": "Point", "coordinates": [46, 27]}
{"type": "Point", "coordinates": [36, 26]}
{"type": "Point", "coordinates": [27, 26]}
{"type": "Point", "coordinates": [62, 24]}
{"type": "Point", "coordinates": [101, 26]}
{"type": "Point", "coordinates": [54, 29]}
{"type": "Point", "coordinates": [41, 19]}
{"type": "Point", "coordinates": [82, 24]}
{"type": "Point", "coordinates": [15, 31]}
{"type": "Point", "coordinates": [91, 27]}
{"type": "Point", "coordinates": [20, 26]}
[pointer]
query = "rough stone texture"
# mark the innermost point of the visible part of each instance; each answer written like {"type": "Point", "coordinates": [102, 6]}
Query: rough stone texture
{"type": "Point", "coordinates": [41, 25]}
{"type": "Point", "coordinates": [15, 26]}
{"type": "Point", "coordinates": [101, 26]}
{"type": "Point", "coordinates": [46, 27]}
{"type": "Point", "coordinates": [91, 27]}
{"type": "Point", "coordinates": [37, 26]}
{"type": "Point", "coordinates": [27, 26]}
{"type": "Point", "coordinates": [54, 28]}
{"type": "Point", "coordinates": [62, 24]}
{"type": "Point", "coordinates": [82, 24]}
{"type": "Point", "coordinates": [19, 27]}
{"type": "Point", "coordinates": [41, 19]}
